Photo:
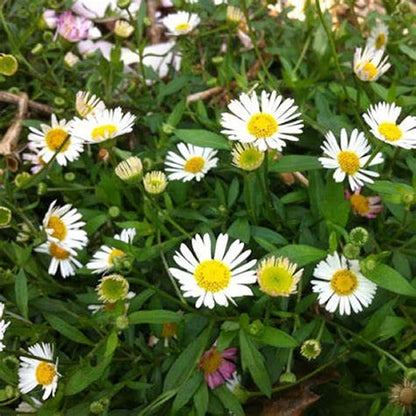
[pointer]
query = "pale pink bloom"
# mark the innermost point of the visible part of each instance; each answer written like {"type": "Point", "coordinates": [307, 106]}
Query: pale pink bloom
{"type": "Point", "coordinates": [75, 28]}
{"type": "Point", "coordinates": [366, 206]}
{"type": "Point", "coordinates": [33, 157]}
{"type": "Point", "coordinates": [218, 367]}
{"type": "Point", "coordinates": [97, 9]}
{"type": "Point", "coordinates": [50, 18]}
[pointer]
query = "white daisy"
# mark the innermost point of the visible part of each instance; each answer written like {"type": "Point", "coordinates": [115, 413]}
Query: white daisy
{"type": "Point", "coordinates": [378, 37]}
{"type": "Point", "coordinates": [265, 122]}
{"type": "Point", "coordinates": [33, 157]}
{"type": "Point", "coordinates": [101, 126]}
{"type": "Point", "coordinates": [350, 159]}
{"type": "Point", "coordinates": [214, 279]}
{"type": "Point", "coordinates": [370, 65]}
{"type": "Point", "coordinates": [181, 23]}
{"type": "Point", "coordinates": [341, 285]}
{"type": "Point", "coordinates": [87, 103]}
{"type": "Point", "coordinates": [103, 259]}
{"type": "Point", "coordinates": [34, 371]}
{"type": "Point", "coordinates": [3, 327]}
{"type": "Point", "coordinates": [50, 139]}
{"type": "Point", "coordinates": [64, 257]}
{"type": "Point", "coordinates": [382, 119]}
{"type": "Point", "coordinates": [193, 162]}
{"type": "Point", "coordinates": [63, 226]}
{"type": "Point", "coordinates": [31, 407]}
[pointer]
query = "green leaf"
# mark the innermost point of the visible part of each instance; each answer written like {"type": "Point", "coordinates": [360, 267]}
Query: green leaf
{"type": "Point", "coordinates": [253, 361]}
{"type": "Point", "coordinates": [240, 229]}
{"type": "Point", "coordinates": [407, 50]}
{"type": "Point", "coordinates": [229, 400]}
{"type": "Point", "coordinates": [203, 138]}
{"type": "Point", "coordinates": [267, 234]}
{"type": "Point", "coordinates": [67, 330]}
{"type": "Point", "coordinates": [186, 392]}
{"type": "Point", "coordinates": [301, 254]}
{"type": "Point", "coordinates": [154, 317]}
{"type": "Point", "coordinates": [20, 288]}
{"type": "Point", "coordinates": [233, 192]}
{"type": "Point", "coordinates": [201, 399]}
{"type": "Point", "coordinates": [276, 338]}
{"type": "Point", "coordinates": [387, 278]}
{"type": "Point", "coordinates": [335, 207]}
{"type": "Point", "coordinates": [295, 163]}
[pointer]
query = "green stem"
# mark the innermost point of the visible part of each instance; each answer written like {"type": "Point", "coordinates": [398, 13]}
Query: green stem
{"type": "Point", "coordinates": [363, 396]}
{"type": "Point", "coordinates": [302, 54]}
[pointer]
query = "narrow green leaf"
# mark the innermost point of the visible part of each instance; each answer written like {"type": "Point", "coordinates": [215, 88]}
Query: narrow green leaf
{"type": "Point", "coordinates": [301, 254]}
{"type": "Point", "coordinates": [240, 229]}
{"type": "Point", "coordinates": [20, 288]}
{"type": "Point", "coordinates": [203, 138]}
{"type": "Point", "coordinates": [407, 50]}
{"type": "Point", "coordinates": [186, 392]}
{"type": "Point", "coordinates": [154, 317]}
{"type": "Point", "coordinates": [276, 338]}
{"type": "Point", "coordinates": [295, 163]}
{"type": "Point", "coordinates": [201, 399]}
{"type": "Point", "coordinates": [229, 400]}
{"type": "Point", "coordinates": [335, 207]}
{"type": "Point", "coordinates": [67, 330]}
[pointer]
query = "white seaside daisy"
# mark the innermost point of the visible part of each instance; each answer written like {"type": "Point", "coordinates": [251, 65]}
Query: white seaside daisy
{"type": "Point", "coordinates": [26, 407]}
{"type": "Point", "coordinates": [101, 126]}
{"type": "Point", "coordinates": [382, 119]}
{"type": "Point", "coordinates": [214, 279]}
{"type": "Point", "coordinates": [193, 162]}
{"type": "Point", "coordinates": [350, 159]}
{"type": "Point", "coordinates": [378, 37]}
{"type": "Point", "coordinates": [87, 103]}
{"type": "Point", "coordinates": [62, 257]}
{"type": "Point", "coordinates": [3, 327]}
{"type": "Point", "coordinates": [49, 139]}
{"type": "Point", "coordinates": [181, 23]}
{"type": "Point", "coordinates": [103, 259]}
{"type": "Point", "coordinates": [63, 226]}
{"type": "Point", "coordinates": [39, 370]}
{"type": "Point", "coordinates": [267, 122]}
{"type": "Point", "coordinates": [369, 64]}
{"type": "Point", "coordinates": [341, 285]}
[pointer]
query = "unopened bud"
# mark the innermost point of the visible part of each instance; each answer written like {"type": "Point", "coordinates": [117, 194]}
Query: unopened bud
{"type": "Point", "coordinates": [359, 236]}
{"type": "Point", "coordinates": [351, 251]}
{"type": "Point", "coordinates": [21, 179]}
{"type": "Point", "coordinates": [42, 188]}
{"type": "Point", "coordinates": [69, 176]}
{"type": "Point", "coordinates": [5, 217]}
{"type": "Point", "coordinates": [114, 211]}
{"type": "Point", "coordinates": [37, 49]}
{"type": "Point", "coordinates": [122, 322]}
{"type": "Point", "coordinates": [256, 327]}
{"type": "Point", "coordinates": [123, 4]}
{"type": "Point", "coordinates": [287, 378]}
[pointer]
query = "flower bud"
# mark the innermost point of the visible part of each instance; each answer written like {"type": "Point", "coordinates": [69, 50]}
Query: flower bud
{"type": "Point", "coordinates": [359, 236]}
{"type": "Point", "coordinates": [123, 4]}
{"type": "Point", "coordinates": [311, 349]}
{"type": "Point", "coordinates": [256, 327]}
{"type": "Point", "coordinates": [69, 176]}
{"type": "Point", "coordinates": [155, 182]}
{"type": "Point", "coordinates": [351, 251]}
{"type": "Point", "coordinates": [37, 49]}
{"type": "Point", "coordinates": [167, 128]}
{"type": "Point", "coordinates": [130, 170]}
{"type": "Point", "coordinates": [122, 322]}
{"type": "Point", "coordinates": [287, 377]}
{"type": "Point", "coordinates": [70, 59]}
{"type": "Point", "coordinates": [123, 29]}
{"type": "Point", "coordinates": [408, 198]}
{"type": "Point", "coordinates": [42, 188]}
{"type": "Point", "coordinates": [8, 65]}
{"type": "Point", "coordinates": [5, 217]}
{"type": "Point", "coordinates": [21, 179]}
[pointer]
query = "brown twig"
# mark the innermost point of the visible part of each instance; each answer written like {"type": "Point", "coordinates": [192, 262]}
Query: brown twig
{"type": "Point", "coordinates": [8, 97]}
{"type": "Point", "coordinates": [155, 31]}
{"type": "Point", "coordinates": [203, 95]}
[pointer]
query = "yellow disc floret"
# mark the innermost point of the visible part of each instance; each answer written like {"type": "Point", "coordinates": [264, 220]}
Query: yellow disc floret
{"type": "Point", "coordinates": [344, 282]}
{"type": "Point", "coordinates": [58, 227]}
{"type": "Point", "coordinates": [262, 125]}
{"type": "Point", "coordinates": [54, 139]}
{"type": "Point", "coordinates": [360, 204]}
{"type": "Point", "coordinates": [194, 164]}
{"type": "Point", "coordinates": [45, 373]}
{"type": "Point", "coordinates": [390, 131]}
{"type": "Point", "coordinates": [349, 162]}
{"type": "Point", "coordinates": [212, 275]}
{"type": "Point", "coordinates": [104, 132]}
{"type": "Point", "coordinates": [182, 27]}
{"type": "Point", "coordinates": [210, 364]}
{"type": "Point", "coordinates": [370, 69]}
{"type": "Point", "coordinates": [58, 252]}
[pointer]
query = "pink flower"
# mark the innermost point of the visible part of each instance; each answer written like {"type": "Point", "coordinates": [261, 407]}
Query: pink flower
{"type": "Point", "coordinates": [49, 17]}
{"type": "Point", "coordinates": [216, 367]}
{"type": "Point", "coordinates": [366, 206]}
{"type": "Point", "coordinates": [73, 28]}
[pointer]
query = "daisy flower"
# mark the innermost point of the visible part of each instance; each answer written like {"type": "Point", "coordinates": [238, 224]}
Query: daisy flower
{"type": "Point", "coordinates": [277, 277]}
{"type": "Point", "coordinates": [103, 259]}
{"type": "Point", "coordinates": [382, 119]}
{"type": "Point", "coordinates": [350, 159]}
{"type": "Point", "coordinates": [101, 126]}
{"type": "Point", "coordinates": [341, 285]}
{"type": "Point", "coordinates": [403, 395]}
{"type": "Point", "coordinates": [181, 23]}
{"type": "Point", "coordinates": [33, 157]}
{"type": "Point", "coordinates": [193, 162]}
{"type": "Point", "coordinates": [366, 206]}
{"type": "Point", "coordinates": [246, 156]}
{"type": "Point", "coordinates": [112, 288]}
{"type": "Point", "coordinates": [3, 327]}
{"type": "Point", "coordinates": [62, 257]}
{"type": "Point", "coordinates": [63, 226]}
{"type": "Point", "coordinates": [34, 371]}
{"type": "Point", "coordinates": [214, 279]}
{"type": "Point", "coordinates": [87, 103]}
{"type": "Point", "coordinates": [378, 37]}
{"type": "Point", "coordinates": [266, 122]}
{"type": "Point", "coordinates": [56, 139]}
{"type": "Point", "coordinates": [370, 65]}
{"type": "Point", "coordinates": [155, 182]}
{"type": "Point", "coordinates": [218, 367]}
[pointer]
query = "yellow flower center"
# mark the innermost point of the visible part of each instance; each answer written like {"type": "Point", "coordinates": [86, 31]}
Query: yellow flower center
{"type": "Point", "coordinates": [211, 363]}
{"type": "Point", "coordinates": [380, 41]}
{"type": "Point", "coordinates": [212, 275]}
{"type": "Point", "coordinates": [360, 204]}
{"type": "Point", "coordinates": [58, 226]}
{"type": "Point", "coordinates": [45, 373]}
{"type": "Point", "coordinates": [104, 132]}
{"type": "Point", "coordinates": [115, 253]}
{"type": "Point", "coordinates": [183, 27]}
{"type": "Point", "coordinates": [58, 252]}
{"type": "Point", "coordinates": [262, 125]}
{"type": "Point", "coordinates": [391, 131]}
{"type": "Point", "coordinates": [54, 139]}
{"type": "Point", "coordinates": [370, 69]}
{"type": "Point", "coordinates": [344, 282]}
{"type": "Point", "coordinates": [276, 280]}
{"type": "Point", "coordinates": [194, 164]}
{"type": "Point", "coordinates": [348, 161]}
{"type": "Point", "coordinates": [250, 159]}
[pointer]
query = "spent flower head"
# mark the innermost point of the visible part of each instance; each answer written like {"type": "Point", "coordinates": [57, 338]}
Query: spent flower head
{"type": "Point", "coordinates": [155, 182]}
{"type": "Point", "coordinates": [311, 349]}
{"type": "Point", "coordinates": [112, 288]}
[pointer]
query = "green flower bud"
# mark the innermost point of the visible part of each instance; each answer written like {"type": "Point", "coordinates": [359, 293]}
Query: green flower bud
{"type": "Point", "coordinates": [37, 49]}
{"type": "Point", "coordinates": [47, 37]}
{"type": "Point", "coordinates": [122, 322]}
{"type": "Point", "coordinates": [168, 129]}
{"type": "Point", "coordinates": [9, 391]}
{"type": "Point", "coordinates": [256, 327]}
{"type": "Point", "coordinates": [123, 4]}
{"type": "Point", "coordinates": [5, 217]}
{"type": "Point", "coordinates": [21, 179]}
{"type": "Point", "coordinates": [351, 251]}
{"type": "Point", "coordinates": [96, 408]}
{"type": "Point", "coordinates": [408, 198]}
{"type": "Point", "coordinates": [216, 60]}
{"type": "Point", "coordinates": [212, 82]}
{"type": "Point", "coordinates": [114, 211]}
{"type": "Point", "coordinates": [8, 65]}
{"type": "Point", "coordinates": [42, 188]}
{"type": "Point", "coordinates": [311, 349]}
{"type": "Point", "coordinates": [59, 101]}
{"type": "Point", "coordinates": [359, 236]}
{"type": "Point", "coordinates": [368, 264]}
{"type": "Point", "coordinates": [69, 176]}
{"type": "Point", "coordinates": [413, 355]}
{"type": "Point", "coordinates": [287, 378]}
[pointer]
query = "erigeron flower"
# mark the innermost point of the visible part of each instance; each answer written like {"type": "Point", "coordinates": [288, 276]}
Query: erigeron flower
{"type": "Point", "coordinates": [98, 9]}
{"type": "Point", "coordinates": [112, 288]}
{"type": "Point", "coordinates": [62, 257]}
{"type": "Point", "coordinates": [340, 285]}
{"type": "Point", "coordinates": [155, 182]}
{"type": "Point", "coordinates": [130, 169]}
{"type": "Point", "coordinates": [403, 395]}
{"type": "Point", "coordinates": [28, 407]}
{"type": "Point", "coordinates": [267, 122]}
{"type": "Point", "coordinates": [33, 157]}
{"type": "Point", "coordinates": [3, 327]}
{"type": "Point", "coordinates": [75, 28]}
{"type": "Point", "coordinates": [278, 277]}
{"type": "Point", "coordinates": [123, 29]}
{"type": "Point", "coordinates": [382, 119]}
{"type": "Point", "coordinates": [35, 371]}
{"type": "Point", "coordinates": [369, 64]}
{"type": "Point", "coordinates": [350, 158]}
{"type": "Point", "coordinates": [181, 23]}
{"type": "Point", "coordinates": [214, 279]}
{"type": "Point", "coordinates": [246, 156]}
{"type": "Point", "coordinates": [311, 349]}
{"type": "Point", "coordinates": [234, 14]}
{"type": "Point", "coordinates": [218, 367]}
{"type": "Point", "coordinates": [62, 225]}
{"type": "Point", "coordinates": [103, 259]}
{"type": "Point", "coordinates": [102, 126]}
{"type": "Point", "coordinates": [193, 162]}
{"type": "Point", "coordinates": [71, 59]}
{"type": "Point", "coordinates": [49, 18]}
{"type": "Point", "coordinates": [94, 308]}
{"type": "Point", "coordinates": [378, 37]}
{"type": "Point", "coordinates": [87, 103]}
{"type": "Point", "coordinates": [55, 138]}
{"type": "Point", "coordinates": [366, 206]}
